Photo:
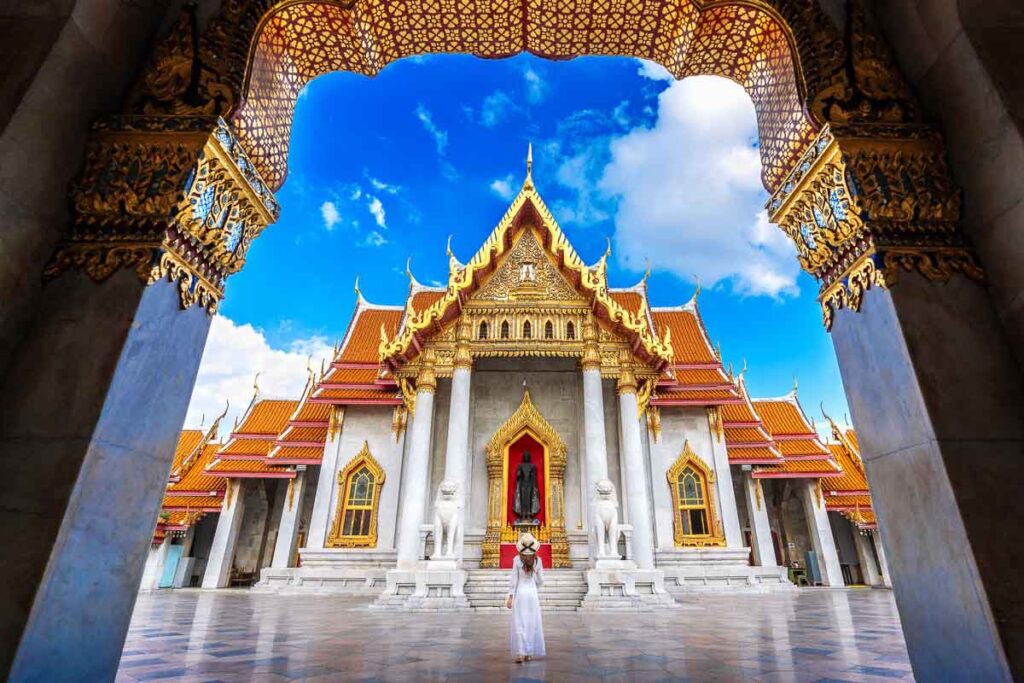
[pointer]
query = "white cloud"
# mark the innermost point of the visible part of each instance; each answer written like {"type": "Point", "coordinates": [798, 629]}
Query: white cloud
{"type": "Point", "coordinates": [440, 136]}
{"type": "Point", "coordinates": [689, 194]}
{"type": "Point", "coordinates": [503, 187]}
{"type": "Point", "coordinates": [494, 108]}
{"type": "Point", "coordinates": [536, 88]}
{"type": "Point", "coordinates": [329, 212]}
{"type": "Point", "coordinates": [234, 354]}
{"type": "Point", "coordinates": [653, 71]}
{"type": "Point", "coordinates": [377, 209]}
{"type": "Point", "coordinates": [381, 186]}
{"type": "Point", "coordinates": [375, 239]}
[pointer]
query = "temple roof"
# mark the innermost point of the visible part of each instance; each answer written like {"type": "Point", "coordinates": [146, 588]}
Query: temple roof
{"type": "Point", "coordinates": [849, 494]}
{"type": "Point", "coordinates": [263, 421]}
{"type": "Point", "coordinates": [746, 438]}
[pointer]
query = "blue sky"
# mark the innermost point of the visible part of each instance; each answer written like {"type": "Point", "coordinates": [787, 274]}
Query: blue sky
{"type": "Point", "coordinates": [387, 168]}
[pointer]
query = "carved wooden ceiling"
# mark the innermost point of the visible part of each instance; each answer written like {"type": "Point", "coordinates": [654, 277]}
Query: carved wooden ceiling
{"type": "Point", "coordinates": [301, 40]}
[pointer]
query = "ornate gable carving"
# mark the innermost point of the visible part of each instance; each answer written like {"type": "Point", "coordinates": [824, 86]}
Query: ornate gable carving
{"type": "Point", "coordinates": [528, 275]}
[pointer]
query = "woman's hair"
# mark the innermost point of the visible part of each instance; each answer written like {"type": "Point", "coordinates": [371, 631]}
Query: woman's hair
{"type": "Point", "coordinates": [528, 561]}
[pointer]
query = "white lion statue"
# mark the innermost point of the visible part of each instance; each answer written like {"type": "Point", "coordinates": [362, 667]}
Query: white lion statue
{"type": "Point", "coordinates": [447, 520]}
{"type": "Point", "coordinates": [606, 518]}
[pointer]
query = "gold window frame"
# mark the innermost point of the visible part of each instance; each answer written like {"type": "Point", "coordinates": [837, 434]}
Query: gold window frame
{"type": "Point", "coordinates": [714, 537]}
{"type": "Point", "coordinates": [336, 539]}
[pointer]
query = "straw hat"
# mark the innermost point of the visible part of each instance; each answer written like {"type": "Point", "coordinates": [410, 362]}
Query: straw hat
{"type": "Point", "coordinates": [527, 544]}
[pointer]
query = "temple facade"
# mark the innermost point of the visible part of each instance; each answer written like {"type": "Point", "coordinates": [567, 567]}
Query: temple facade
{"type": "Point", "coordinates": [525, 395]}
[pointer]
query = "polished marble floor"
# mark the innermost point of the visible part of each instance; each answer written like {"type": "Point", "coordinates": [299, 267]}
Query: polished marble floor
{"type": "Point", "coordinates": [803, 635]}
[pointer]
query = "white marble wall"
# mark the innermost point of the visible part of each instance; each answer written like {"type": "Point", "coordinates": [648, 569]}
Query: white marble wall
{"type": "Point", "coordinates": [556, 389]}
{"type": "Point", "coordinates": [371, 424]}
{"type": "Point", "coordinates": [677, 426]}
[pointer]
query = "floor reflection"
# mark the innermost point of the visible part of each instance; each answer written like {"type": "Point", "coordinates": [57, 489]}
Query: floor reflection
{"type": "Point", "coordinates": [802, 635]}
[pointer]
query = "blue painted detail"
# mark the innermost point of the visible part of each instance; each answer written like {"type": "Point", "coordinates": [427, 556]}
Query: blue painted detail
{"type": "Point", "coordinates": [170, 566]}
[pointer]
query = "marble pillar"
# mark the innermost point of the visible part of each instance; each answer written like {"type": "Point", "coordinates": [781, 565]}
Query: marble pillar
{"type": "Point", "coordinates": [883, 563]}
{"type": "Point", "coordinates": [320, 518]}
{"type": "Point", "coordinates": [593, 430]}
{"type": "Point", "coordinates": [760, 529]}
{"type": "Point", "coordinates": [155, 565]}
{"type": "Point", "coordinates": [95, 399]}
{"type": "Point", "coordinates": [456, 457]}
{"type": "Point", "coordinates": [820, 531]}
{"type": "Point", "coordinates": [288, 528]}
{"type": "Point", "coordinates": [943, 445]}
{"type": "Point", "coordinates": [222, 551]}
{"type": "Point", "coordinates": [414, 487]}
{"type": "Point", "coordinates": [865, 558]}
{"type": "Point", "coordinates": [637, 491]}
{"type": "Point", "coordinates": [726, 494]}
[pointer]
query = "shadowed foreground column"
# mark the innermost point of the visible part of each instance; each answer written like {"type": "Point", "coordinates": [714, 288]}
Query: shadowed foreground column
{"type": "Point", "coordinates": [95, 402]}
{"type": "Point", "coordinates": [937, 399]}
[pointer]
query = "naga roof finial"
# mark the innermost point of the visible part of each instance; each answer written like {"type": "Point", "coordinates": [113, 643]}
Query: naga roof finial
{"type": "Point", "coordinates": [529, 164]}
{"type": "Point", "coordinates": [359, 295]}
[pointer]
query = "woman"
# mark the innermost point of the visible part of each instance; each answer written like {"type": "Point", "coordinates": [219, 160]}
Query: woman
{"type": "Point", "coordinates": [527, 576]}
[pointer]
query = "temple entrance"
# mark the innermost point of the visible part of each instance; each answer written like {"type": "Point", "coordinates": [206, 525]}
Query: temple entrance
{"type": "Point", "coordinates": [526, 431]}
{"type": "Point", "coordinates": [832, 109]}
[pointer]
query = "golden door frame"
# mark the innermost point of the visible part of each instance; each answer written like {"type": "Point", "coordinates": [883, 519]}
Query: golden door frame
{"type": "Point", "coordinates": [715, 535]}
{"type": "Point", "coordinates": [525, 420]}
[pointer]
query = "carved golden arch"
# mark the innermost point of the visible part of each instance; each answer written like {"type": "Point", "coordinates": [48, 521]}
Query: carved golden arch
{"type": "Point", "coordinates": [337, 539]}
{"type": "Point", "coordinates": [526, 420]}
{"type": "Point", "coordinates": [688, 458]}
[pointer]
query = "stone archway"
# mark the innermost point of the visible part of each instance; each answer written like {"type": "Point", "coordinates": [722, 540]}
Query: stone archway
{"type": "Point", "coordinates": [858, 180]}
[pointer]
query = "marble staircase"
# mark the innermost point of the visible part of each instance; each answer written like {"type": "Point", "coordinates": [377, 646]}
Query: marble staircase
{"type": "Point", "coordinates": [563, 589]}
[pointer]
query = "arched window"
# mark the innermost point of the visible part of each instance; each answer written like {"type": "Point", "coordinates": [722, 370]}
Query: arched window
{"type": "Point", "coordinates": [570, 331]}
{"type": "Point", "coordinates": [504, 329]}
{"type": "Point", "coordinates": [483, 330]}
{"type": "Point", "coordinates": [691, 481]}
{"type": "Point", "coordinates": [527, 332]}
{"type": "Point", "coordinates": [549, 330]}
{"type": "Point", "coordinates": [359, 484]}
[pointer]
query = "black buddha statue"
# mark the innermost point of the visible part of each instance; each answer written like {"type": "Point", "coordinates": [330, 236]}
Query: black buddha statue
{"type": "Point", "coordinates": [526, 500]}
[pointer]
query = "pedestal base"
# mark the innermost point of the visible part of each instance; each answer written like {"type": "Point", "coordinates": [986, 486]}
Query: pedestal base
{"type": "Point", "coordinates": [424, 589]}
{"type": "Point", "coordinates": [625, 588]}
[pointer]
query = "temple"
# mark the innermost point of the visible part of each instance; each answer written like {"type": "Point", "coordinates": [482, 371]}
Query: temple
{"type": "Point", "coordinates": [525, 395]}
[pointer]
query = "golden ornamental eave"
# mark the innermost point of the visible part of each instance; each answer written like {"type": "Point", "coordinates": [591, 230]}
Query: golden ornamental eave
{"type": "Point", "coordinates": [419, 326]}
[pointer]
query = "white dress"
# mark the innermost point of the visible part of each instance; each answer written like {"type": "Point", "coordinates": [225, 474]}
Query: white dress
{"type": "Point", "coordinates": [527, 629]}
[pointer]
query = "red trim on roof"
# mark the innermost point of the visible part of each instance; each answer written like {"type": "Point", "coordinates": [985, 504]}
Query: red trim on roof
{"type": "Point", "coordinates": [244, 436]}
{"type": "Point", "coordinates": [359, 402]}
{"type": "Point", "coordinates": [794, 475]}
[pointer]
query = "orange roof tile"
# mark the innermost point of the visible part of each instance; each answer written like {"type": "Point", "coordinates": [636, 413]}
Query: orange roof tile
{"type": "Point", "coordinates": [782, 416]}
{"type": "Point", "coordinates": [689, 343]}
{"type": "Point", "coordinates": [696, 395]}
{"type": "Point", "coordinates": [801, 448]}
{"type": "Point", "coordinates": [197, 479]}
{"type": "Point", "coordinates": [211, 503]}
{"type": "Point", "coordinates": [752, 454]}
{"type": "Point", "coordinates": [701, 376]}
{"type": "Point", "coordinates": [266, 416]}
{"type": "Point", "coordinates": [425, 298]}
{"type": "Point", "coordinates": [799, 468]}
{"type": "Point", "coordinates": [629, 300]}
{"type": "Point", "coordinates": [304, 434]}
{"type": "Point", "coordinates": [363, 338]}
{"type": "Point", "coordinates": [845, 501]}
{"type": "Point", "coordinates": [312, 412]}
{"type": "Point", "coordinates": [188, 441]}
{"type": "Point", "coordinates": [853, 478]}
{"type": "Point", "coordinates": [247, 468]}
{"type": "Point", "coordinates": [350, 376]}
{"type": "Point", "coordinates": [286, 455]}
{"type": "Point", "coordinates": [746, 435]}
{"type": "Point", "coordinates": [245, 448]}
{"type": "Point", "coordinates": [851, 436]}
{"type": "Point", "coordinates": [341, 396]}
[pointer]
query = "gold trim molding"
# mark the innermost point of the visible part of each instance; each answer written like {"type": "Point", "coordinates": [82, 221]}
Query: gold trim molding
{"type": "Point", "coordinates": [335, 539]}
{"type": "Point", "coordinates": [689, 458]}
{"type": "Point", "coordinates": [169, 197]}
{"type": "Point", "coordinates": [525, 419]}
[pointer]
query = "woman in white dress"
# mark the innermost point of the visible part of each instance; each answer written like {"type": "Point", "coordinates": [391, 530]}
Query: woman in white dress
{"type": "Point", "coordinates": [527, 576]}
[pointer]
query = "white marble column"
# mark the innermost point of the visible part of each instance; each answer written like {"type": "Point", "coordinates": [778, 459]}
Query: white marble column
{"type": "Point", "coordinates": [637, 495]}
{"type": "Point", "coordinates": [222, 552]}
{"type": "Point", "coordinates": [155, 565]}
{"type": "Point", "coordinates": [320, 518]}
{"type": "Point", "coordinates": [866, 558]}
{"type": "Point", "coordinates": [821, 533]}
{"type": "Point", "coordinates": [760, 528]}
{"type": "Point", "coordinates": [456, 457]}
{"type": "Point", "coordinates": [288, 528]}
{"type": "Point", "coordinates": [883, 563]}
{"type": "Point", "coordinates": [726, 494]}
{"type": "Point", "coordinates": [417, 476]}
{"type": "Point", "coordinates": [595, 441]}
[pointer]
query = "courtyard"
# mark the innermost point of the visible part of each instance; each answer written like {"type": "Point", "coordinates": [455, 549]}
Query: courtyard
{"type": "Point", "coordinates": [801, 635]}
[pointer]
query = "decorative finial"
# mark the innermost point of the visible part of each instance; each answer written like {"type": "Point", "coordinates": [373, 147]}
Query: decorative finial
{"type": "Point", "coordinates": [216, 423]}
{"type": "Point", "coordinates": [529, 163]}
{"type": "Point", "coordinates": [822, 406]}
{"type": "Point", "coordinates": [696, 290]}
{"type": "Point", "coordinates": [448, 248]}
{"type": "Point", "coordinates": [256, 386]}
{"type": "Point", "coordinates": [202, 420]}
{"type": "Point", "coordinates": [359, 295]}
{"type": "Point", "coordinates": [647, 272]}
{"type": "Point", "coordinates": [718, 351]}
{"type": "Point", "coordinates": [731, 375]}
{"type": "Point", "coordinates": [608, 247]}
{"type": "Point", "coordinates": [408, 269]}
{"type": "Point", "coordinates": [796, 385]}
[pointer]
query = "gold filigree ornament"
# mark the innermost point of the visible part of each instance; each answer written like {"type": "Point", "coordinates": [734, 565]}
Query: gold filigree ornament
{"type": "Point", "coordinates": [868, 201]}
{"type": "Point", "coordinates": [183, 205]}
